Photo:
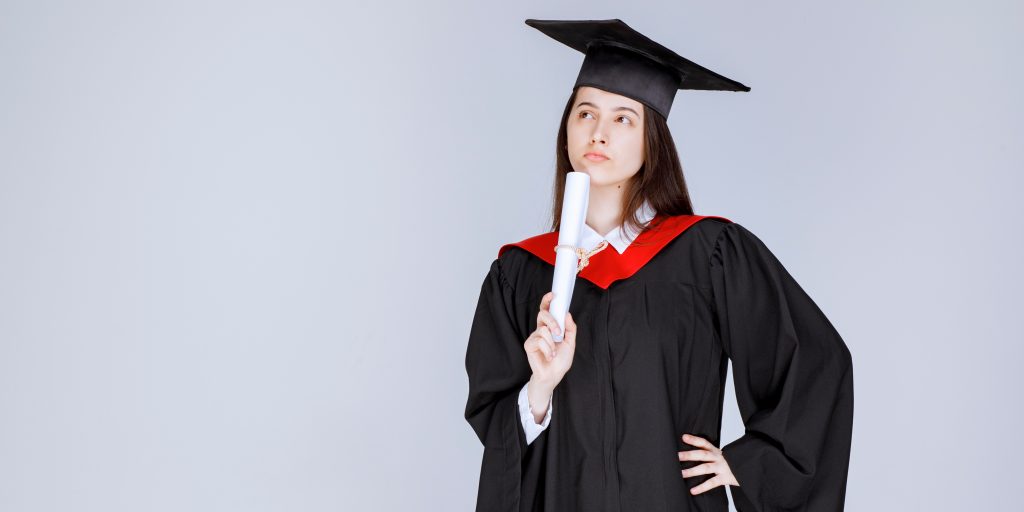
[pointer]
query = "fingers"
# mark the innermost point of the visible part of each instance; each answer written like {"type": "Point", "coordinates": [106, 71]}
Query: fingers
{"type": "Point", "coordinates": [545, 333]}
{"type": "Point", "coordinates": [697, 455]}
{"type": "Point", "coordinates": [546, 318]}
{"type": "Point", "coordinates": [570, 329]}
{"type": "Point", "coordinates": [703, 469]}
{"type": "Point", "coordinates": [709, 453]}
{"type": "Point", "coordinates": [708, 484]}
{"type": "Point", "coordinates": [544, 342]}
{"type": "Point", "coordinates": [545, 301]}
{"type": "Point", "coordinates": [536, 343]}
{"type": "Point", "coordinates": [699, 441]}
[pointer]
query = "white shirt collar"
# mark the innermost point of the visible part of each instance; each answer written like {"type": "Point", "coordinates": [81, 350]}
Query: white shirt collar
{"type": "Point", "coordinates": [616, 237]}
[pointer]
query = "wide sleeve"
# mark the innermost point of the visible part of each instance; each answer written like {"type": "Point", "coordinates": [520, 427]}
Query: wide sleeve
{"type": "Point", "coordinates": [498, 368]}
{"type": "Point", "coordinates": [793, 377]}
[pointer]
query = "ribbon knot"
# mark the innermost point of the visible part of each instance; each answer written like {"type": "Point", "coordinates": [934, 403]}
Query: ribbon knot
{"type": "Point", "coordinates": [582, 256]}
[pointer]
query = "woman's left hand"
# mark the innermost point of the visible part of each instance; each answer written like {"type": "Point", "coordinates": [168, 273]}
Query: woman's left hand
{"type": "Point", "coordinates": [715, 464]}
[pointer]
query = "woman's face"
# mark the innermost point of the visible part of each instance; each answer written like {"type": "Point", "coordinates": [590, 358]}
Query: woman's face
{"type": "Point", "coordinates": [604, 123]}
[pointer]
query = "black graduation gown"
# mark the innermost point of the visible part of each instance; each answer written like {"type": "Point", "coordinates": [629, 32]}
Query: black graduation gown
{"type": "Point", "coordinates": [656, 329]}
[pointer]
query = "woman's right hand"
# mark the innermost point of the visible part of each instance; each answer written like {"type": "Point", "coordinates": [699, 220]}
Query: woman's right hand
{"type": "Point", "coordinates": [550, 360]}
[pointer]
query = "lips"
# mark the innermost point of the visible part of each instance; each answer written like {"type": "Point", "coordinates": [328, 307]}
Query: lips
{"type": "Point", "coordinates": [595, 156]}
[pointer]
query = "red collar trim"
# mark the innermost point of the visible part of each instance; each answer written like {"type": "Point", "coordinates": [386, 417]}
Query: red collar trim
{"type": "Point", "coordinates": [609, 266]}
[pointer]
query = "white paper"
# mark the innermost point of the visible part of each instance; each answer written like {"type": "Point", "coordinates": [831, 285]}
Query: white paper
{"type": "Point", "coordinates": [574, 214]}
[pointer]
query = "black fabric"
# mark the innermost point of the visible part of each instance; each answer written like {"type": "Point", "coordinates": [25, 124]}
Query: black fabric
{"type": "Point", "coordinates": [621, 60]}
{"type": "Point", "coordinates": [650, 365]}
{"type": "Point", "coordinates": [618, 70]}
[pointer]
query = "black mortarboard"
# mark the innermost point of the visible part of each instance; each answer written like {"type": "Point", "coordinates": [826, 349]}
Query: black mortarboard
{"type": "Point", "coordinates": [623, 61]}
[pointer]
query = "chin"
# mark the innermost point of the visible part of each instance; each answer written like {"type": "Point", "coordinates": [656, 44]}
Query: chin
{"type": "Point", "coordinates": [599, 177]}
{"type": "Point", "coordinates": [594, 171]}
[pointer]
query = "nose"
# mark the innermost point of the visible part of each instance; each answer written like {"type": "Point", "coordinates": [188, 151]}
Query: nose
{"type": "Point", "coordinates": [597, 135]}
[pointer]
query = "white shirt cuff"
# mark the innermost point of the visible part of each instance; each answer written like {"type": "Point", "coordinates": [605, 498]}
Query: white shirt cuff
{"type": "Point", "coordinates": [530, 425]}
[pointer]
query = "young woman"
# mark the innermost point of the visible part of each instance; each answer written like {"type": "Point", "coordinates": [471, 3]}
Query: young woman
{"type": "Point", "coordinates": [625, 413]}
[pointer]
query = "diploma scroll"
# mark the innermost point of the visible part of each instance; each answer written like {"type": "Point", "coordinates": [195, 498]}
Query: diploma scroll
{"type": "Point", "coordinates": [574, 214]}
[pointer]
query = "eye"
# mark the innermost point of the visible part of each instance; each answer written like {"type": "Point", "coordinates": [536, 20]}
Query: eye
{"type": "Point", "coordinates": [628, 120]}
{"type": "Point", "coordinates": [581, 114]}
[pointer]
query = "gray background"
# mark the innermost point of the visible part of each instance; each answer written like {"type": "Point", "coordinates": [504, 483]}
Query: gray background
{"type": "Point", "coordinates": [241, 243]}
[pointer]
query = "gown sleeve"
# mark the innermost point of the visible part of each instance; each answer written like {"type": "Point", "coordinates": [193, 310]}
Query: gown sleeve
{"type": "Point", "coordinates": [793, 377]}
{"type": "Point", "coordinates": [498, 368]}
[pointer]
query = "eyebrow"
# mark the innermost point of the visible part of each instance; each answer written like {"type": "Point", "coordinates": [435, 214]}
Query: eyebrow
{"type": "Point", "coordinates": [587, 103]}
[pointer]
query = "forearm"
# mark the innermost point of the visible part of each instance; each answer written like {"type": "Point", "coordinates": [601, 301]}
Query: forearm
{"type": "Point", "coordinates": [539, 393]}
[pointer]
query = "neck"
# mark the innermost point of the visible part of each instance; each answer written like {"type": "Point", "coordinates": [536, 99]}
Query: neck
{"type": "Point", "coordinates": [604, 210]}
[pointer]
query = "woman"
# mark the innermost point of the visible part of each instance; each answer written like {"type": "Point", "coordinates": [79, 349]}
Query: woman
{"type": "Point", "coordinates": [664, 300]}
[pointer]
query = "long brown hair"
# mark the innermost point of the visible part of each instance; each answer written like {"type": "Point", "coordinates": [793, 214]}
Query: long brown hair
{"type": "Point", "coordinates": [659, 180]}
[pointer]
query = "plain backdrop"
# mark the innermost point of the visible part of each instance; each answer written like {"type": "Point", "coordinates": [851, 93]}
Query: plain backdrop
{"type": "Point", "coordinates": [241, 243]}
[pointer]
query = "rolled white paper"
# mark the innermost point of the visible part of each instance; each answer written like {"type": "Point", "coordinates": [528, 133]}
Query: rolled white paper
{"type": "Point", "coordinates": [574, 214]}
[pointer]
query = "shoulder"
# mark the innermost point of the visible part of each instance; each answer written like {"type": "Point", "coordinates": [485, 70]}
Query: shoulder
{"type": "Point", "coordinates": [717, 227]}
{"type": "Point", "coordinates": [739, 245]}
{"type": "Point", "coordinates": [525, 245]}
{"type": "Point", "coordinates": [537, 249]}
{"type": "Point", "coordinates": [722, 236]}
{"type": "Point", "coordinates": [709, 226]}
{"type": "Point", "coordinates": [518, 264]}
{"type": "Point", "coordinates": [702, 230]}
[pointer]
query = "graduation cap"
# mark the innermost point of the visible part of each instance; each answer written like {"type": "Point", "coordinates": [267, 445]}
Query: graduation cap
{"type": "Point", "coordinates": [621, 60]}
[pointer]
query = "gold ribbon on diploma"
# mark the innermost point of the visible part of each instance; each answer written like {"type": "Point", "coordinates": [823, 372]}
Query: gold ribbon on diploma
{"type": "Point", "coordinates": [583, 257]}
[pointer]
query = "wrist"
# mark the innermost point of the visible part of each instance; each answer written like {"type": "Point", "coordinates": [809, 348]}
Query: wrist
{"type": "Point", "coordinates": [541, 386]}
